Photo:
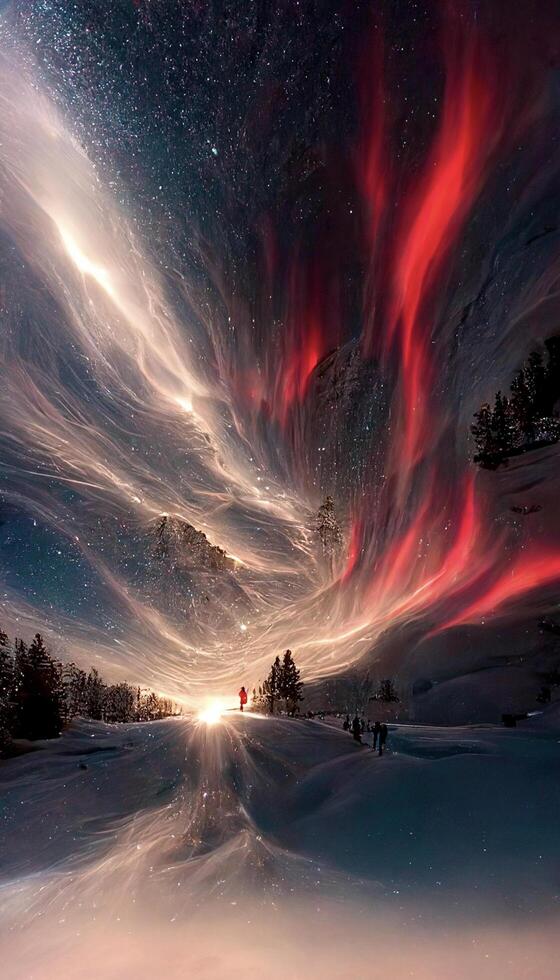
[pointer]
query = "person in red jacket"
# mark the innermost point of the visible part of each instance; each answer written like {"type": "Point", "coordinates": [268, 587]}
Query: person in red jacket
{"type": "Point", "coordinates": [242, 698]}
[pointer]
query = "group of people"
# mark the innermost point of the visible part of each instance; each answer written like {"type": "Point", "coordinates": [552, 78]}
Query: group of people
{"type": "Point", "coordinates": [358, 726]}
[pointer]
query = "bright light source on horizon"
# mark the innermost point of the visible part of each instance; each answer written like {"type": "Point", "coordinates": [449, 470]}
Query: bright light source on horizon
{"type": "Point", "coordinates": [212, 713]}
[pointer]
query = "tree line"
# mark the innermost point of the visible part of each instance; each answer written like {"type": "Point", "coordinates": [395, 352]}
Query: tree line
{"type": "Point", "coordinates": [282, 684]}
{"type": "Point", "coordinates": [39, 695]}
{"type": "Point", "coordinates": [524, 418]}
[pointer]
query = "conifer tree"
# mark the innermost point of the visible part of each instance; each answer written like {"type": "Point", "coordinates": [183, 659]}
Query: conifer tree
{"type": "Point", "coordinates": [74, 682]}
{"type": "Point", "coordinates": [95, 695]}
{"type": "Point", "coordinates": [152, 706]}
{"type": "Point", "coordinates": [502, 426]}
{"type": "Point", "coordinates": [552, 374]}
{"type": "Point", "coordinates": [290, 685]}
{"type": "Point", "coordinates": [271, 686]}
{"type": "Point", "coordinates": [7, 668]}
{"type": "Point", "coordinates": [536, 381]}
{"type": "Point", "coordinates": [523, 406]}
{"type": "Point", "coordinates": [39, 693]}
{"type": "Point", "coordinates": [483, 436]}
{"type": "Point", "coordinates": [7, 675]}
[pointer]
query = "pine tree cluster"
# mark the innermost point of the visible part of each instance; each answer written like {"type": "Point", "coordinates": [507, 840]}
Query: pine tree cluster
{"type": "Point", "coordinates": [282, 684]}
{"type": "Point", "coordinates": [526, 418]}
{"type": "Point", "coordinates": [39, 695]}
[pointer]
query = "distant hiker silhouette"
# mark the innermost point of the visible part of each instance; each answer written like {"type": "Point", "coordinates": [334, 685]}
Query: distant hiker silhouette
{"type": "Point", "coordinates": [242, 698]}
{"type": "Point", "coordinates": [346, 723]}
{"type": "Point", "coordinates": [376, 731]}
{"type": "Point", "coordinates": [383, 731]}
{"type": "Point", "coordinates": [357, 730]}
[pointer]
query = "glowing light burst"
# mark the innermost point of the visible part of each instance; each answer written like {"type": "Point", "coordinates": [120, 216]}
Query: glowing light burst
{"type": "Point", "coordinates": [214, 711]}
{"type": "Point", "coordinates": [86, 265]}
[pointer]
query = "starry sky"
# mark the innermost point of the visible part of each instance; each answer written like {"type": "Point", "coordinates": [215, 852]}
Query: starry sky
{"type": "Point", "coordinates": [252, 255]}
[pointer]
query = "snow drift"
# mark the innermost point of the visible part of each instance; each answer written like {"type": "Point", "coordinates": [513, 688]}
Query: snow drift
{"type": "Point", "coordinates": [281, 849]}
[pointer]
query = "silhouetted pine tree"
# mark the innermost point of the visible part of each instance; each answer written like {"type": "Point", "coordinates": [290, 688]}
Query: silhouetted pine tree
{"type": "Point", "coordinates": [7, 676]}
{"type": "Point", "coordinates": [536, 381]}
{"type": "Point", "coordinates": [74, 684]}
{"type": "Point", "coordinates": [494, 433]}
{"type": "Point", "coordinates": [523, 407]}
{"type": "Point", "coordinates": [552, 374]}
{"type": "Point", "coordinates": [7, 670]}
{"type": "Point", "coordinates": [484, 437]}
{"type": "Point", "coordinates": [271, 686]}
{"type": "Point", "coordinates": [502, 425]}
{"type": "Point", "coordinates": [152, 707]}
{"type": "Point", "coordinates": [95, 696]}
{"type": "Point", "coordinates": [38, 698]}
{"type": "Point", "coordinates": [289, 683]}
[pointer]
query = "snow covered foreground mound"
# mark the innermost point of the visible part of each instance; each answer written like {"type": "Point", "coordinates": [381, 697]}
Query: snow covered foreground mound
{"type": "Point", "coordinates": [281, 849]}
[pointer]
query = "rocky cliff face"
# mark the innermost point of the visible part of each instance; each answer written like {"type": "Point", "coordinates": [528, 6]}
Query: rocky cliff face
{"type": "Point", "coordinates": [180, 544]}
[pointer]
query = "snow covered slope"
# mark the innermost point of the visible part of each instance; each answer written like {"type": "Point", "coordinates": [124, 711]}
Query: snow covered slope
{"type": "Point", "coordinates": [280, 849]}
{"type": "Point", "coordinates": [474, 672]}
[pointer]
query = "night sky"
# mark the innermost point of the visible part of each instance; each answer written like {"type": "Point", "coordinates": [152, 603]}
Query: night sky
{"type": "Point", "coordinates": [251, 255]}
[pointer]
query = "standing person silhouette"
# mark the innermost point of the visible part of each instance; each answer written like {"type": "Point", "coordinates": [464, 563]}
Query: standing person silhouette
{"type": "Point", "coordinates": [242, 698]}
{"type": "Point", "coordinates": [357, 730]}
{"type": "Point", "coordinates": [382, 738]}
